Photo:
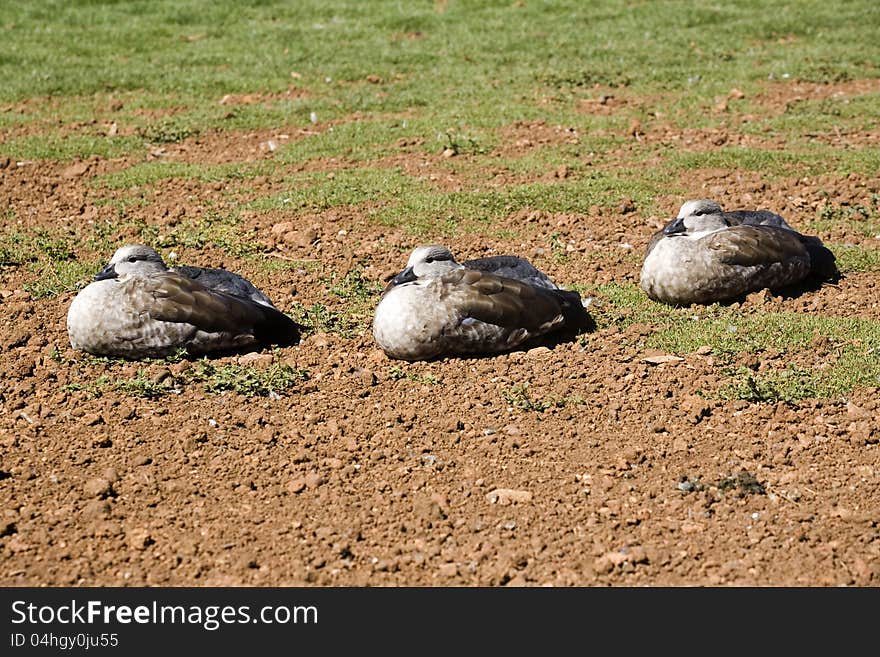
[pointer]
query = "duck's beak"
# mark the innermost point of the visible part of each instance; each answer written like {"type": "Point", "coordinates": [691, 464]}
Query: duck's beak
{"type": "Point", "coordinates": [675, 227]}
{"type": "Point", "coordinates": [108, 272]}
{"type": "Point", "coordinates": [405, 276]}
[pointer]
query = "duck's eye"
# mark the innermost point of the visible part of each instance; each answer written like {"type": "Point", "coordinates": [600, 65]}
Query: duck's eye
{"type": "Point", "coordinates": [429, 259]}
{"type": "Point", "coordinates": [132, 258]}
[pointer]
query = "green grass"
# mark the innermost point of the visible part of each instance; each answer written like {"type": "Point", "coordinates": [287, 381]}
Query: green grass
{"type": "Point", "coordinates": [434, 66]}
{"type": "Point", "coordinates": [358, 297]}
{"type": "Point", "coordinates": [397, 372]}
{"type": "Point", "coordinates": [854, 259]}
{"type": "Point", "coordinates": [274, 380]}
{"type": "Point", "coordinates": [854, 360]}
{"type": "Point", "coordinates": [861, 218]}
{"type": "Point", "coordinates": [149, 173]}
{"type": "Point", "coordinates": [825, 116]}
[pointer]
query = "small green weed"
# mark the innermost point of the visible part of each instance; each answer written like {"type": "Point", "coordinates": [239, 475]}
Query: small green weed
{"type": "Point", "coordinates": [248, 381]}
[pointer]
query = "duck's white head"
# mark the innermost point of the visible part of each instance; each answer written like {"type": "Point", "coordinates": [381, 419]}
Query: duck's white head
{"type": "Point", "coordinates": [426, 262]}
{"type": "Point", "coordinates": [132, 259]}
{"type": "Point", "coordinates": [697, 217]}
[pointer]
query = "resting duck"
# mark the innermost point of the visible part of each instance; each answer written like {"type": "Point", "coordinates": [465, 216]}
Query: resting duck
{"type": "Point", "coordinates": [137, 308]}
{"type": "Point", "coordinates": [706, 255]}
{"type": "Point", "coordinates": [437, 306]}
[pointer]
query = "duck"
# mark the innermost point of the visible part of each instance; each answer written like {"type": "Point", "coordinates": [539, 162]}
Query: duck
{"type": "Point", "coordinates": [706, 255]}
{"type": "Point", "coordinates": [136, 307]}
{"type": "Point", "coordinates": [439, 307]}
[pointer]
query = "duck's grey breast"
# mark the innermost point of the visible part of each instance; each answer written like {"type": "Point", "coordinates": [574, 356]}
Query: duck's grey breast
{"type": "Point", "coordinates": [112, 318]}
{"type": "Point", "coordinates": [410, 319]}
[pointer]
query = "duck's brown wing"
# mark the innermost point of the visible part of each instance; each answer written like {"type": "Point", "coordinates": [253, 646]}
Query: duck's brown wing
{"type": "Point", "coordinates": [504, 301]}
{"type": "Point", "coordinates": [172, 297]}
{"type": "Point", "coordinates": [751, 246]}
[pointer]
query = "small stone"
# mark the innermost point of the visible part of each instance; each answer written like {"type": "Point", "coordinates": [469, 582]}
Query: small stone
{"type": "Point", "coordinates": [139, 539]}
{"type": "Point", "coordinates": [508, 496]}
{"type": "Point", "coordinates": [448, 152]}
{"type": "Point", "coordinates": [703, 350]}
{"type": "Point", "coordinates": [367, 378]}
{"type": "Point", "coordinates": [448, 570]}
{"type": "Point", "coordinates": [295, 486]}
{"type": "Point", "coordinates": [538, 352]}
{"type": "Point", "coordinates": [92, 419]}
{"type": "Point", "coordinates": [627, 206]}
{"type": "Point", "coordinates": [98, 487]}
{"type": "Point", "coordinates": [664, 358]}
{"type": "Point", "coordinates": [256, 359]}
{"type": "Point", "coordinates": [282, 228]}
{"type": "Point", "coordinates": [75, 170]}
{"type": "Point", "coordinates": [96, 509]}
{"type": "Point", "coordinates": [314, 480]}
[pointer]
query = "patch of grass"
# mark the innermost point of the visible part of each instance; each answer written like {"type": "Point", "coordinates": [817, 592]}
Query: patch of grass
{"type": "Point", "coordinates": [358, 141]}
{"type": "Point", "coordinates": [396, 199]}
{"type": "Point", "coordinates": [855, 360]}
{"type": "Point", "coordinates": [853, 369]}
{"type": "Point", "coordinates": [56, 146]}
{"type": "Point", "coordinates": [862, 218]}
{"type": "Point", "coordinates": [54, 277]}
{"type": "Point", "coordinates": [94, 389]}
{"type": "Point", "coordinates": [169, 131]}
{"type": "Point", "coordinates": [142, 386]}
{"type": "Point", "coordinates": [353, 288]}
{"type": "Point", "coordinates": [771, 163]}
{"type": "Point", "coordinates": [49, 258]}
{"type": "Point", "coordinates": [212, 228]}
{"type": "Point", "coordinates": [397, 372]}
{"type": "Point", "coordinates": [21, 247]}
{"type": "Point", "coordinates": [359, 297]}
{"type": "Point", "coordinates": [810, 117]}
{"type": "Point", "coordinates": [272, 381]}
{"type": "Point", "coordinates": [149, 173]}
{"type": "Point", "coordinates": [854, 259]}
{"type": "Point", "coordinates": [518, 396]}
{"type": "Point", "coordinates": [318, 318]}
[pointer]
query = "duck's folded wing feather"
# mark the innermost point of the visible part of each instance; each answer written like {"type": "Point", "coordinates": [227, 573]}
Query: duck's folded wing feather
{"type": "Point", "coordinates": [755, 218]}
{"type": "Point", "coordinates": [750, 246]}
{"type": "Point", "coordinates": [171, 297]}
{"type": "Point", "coordinates": [512, 267]}
{"type": "Point", "coordinates": [503, 301]}
{"type": "Point", "coordinates": [221, 280]}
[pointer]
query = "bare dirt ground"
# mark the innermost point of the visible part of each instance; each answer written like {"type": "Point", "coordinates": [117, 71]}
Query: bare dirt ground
{"type": "Point", "coordinates": [430, 476]}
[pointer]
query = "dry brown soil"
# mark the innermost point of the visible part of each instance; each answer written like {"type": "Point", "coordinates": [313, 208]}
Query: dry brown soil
{"type": "Point", "coordinates": [431, 477]}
